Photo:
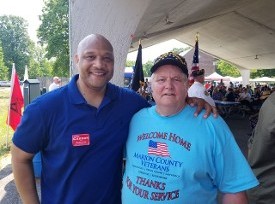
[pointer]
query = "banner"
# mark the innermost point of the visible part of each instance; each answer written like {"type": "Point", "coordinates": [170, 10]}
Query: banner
{"type": "Point", "coordinates": [16, 101]}
{"type": "Point", "coordinates": [138, 76]}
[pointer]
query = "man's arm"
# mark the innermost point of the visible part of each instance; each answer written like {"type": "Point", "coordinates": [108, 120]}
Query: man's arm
{"type": "Point", "coordinates": [24, 175]}
{"type": "Point", "coordinates": [234, 198]}
{"type": "Point", "coordinates": [201, 103]}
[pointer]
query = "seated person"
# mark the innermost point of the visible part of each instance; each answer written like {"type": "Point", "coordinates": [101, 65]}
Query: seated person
{"type": "Point", "coordinates": [245, 99]}
{"type": "Point", "coordinates": [230, 95]}
{"type": "Point", "coordinates": [217, 95]}
{"type": "Point", "coordinates": [264, 95]}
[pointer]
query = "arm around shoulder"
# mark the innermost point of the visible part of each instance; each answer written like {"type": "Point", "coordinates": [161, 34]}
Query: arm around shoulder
{"type": "Point", "coordinates": [24, 175]}
{"type": "Point", "coordinates": [202, 104]}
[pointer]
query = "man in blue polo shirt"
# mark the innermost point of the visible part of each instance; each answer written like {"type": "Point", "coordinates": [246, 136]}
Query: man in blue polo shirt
{"type": "Point", "coordinates": [80, 130]}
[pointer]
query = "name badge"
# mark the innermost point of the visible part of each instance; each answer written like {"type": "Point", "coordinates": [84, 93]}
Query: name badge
{"type": "Point", "coordinates": [80, 140]}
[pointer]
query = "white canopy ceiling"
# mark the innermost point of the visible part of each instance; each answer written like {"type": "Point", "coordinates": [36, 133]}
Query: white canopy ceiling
{"type": "Point", "coordinates": [239, 31]}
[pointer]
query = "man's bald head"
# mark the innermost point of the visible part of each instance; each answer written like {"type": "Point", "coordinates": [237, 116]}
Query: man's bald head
{"type": "Point", "coordinates": [88, 40]}
{"type": "Point", "coordinates": [95, 62]}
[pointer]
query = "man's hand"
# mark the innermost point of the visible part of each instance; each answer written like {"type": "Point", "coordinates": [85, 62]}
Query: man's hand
{"type": "Point", "coordinates": [200, 103]}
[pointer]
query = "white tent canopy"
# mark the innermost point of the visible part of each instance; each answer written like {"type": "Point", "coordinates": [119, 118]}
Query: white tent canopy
{"type": "Point", "coordinates": [235, 79]}
{"type": "Point", "coordinates": [263, 79]}
{"type": "Point", "coordinates": [216, 77]}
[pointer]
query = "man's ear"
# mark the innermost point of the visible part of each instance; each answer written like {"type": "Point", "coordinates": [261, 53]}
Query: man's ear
{"type": "Point", "coordinates": [76, 59]}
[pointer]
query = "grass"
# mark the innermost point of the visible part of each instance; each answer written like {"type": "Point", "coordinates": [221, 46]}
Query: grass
{"type": "Point", "coordinates": [5, 131]}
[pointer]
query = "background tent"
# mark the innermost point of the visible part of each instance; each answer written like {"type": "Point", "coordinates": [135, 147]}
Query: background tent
{"type": "Point", "coordinates": [263, 79]}
{"type": "Point", "coordinates": [216, 77]}
{"type": "Point", "coordinates": [235, 79]}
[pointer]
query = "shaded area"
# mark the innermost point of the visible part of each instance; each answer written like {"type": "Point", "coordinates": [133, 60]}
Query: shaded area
{"type": "Point", "coordinates": [241, 129]}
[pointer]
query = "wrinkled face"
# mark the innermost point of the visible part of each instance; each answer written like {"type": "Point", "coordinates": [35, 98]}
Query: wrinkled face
{"type": "Point", "coordinates": [169, 86]}
{"type": "Point", "coordinates": [95, 62]}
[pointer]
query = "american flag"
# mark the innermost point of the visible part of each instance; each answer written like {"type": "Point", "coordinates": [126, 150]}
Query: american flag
{"type": "Point", "coordinates": [158, 148]}
{"type": "Point", "coordinates": [195, 62]}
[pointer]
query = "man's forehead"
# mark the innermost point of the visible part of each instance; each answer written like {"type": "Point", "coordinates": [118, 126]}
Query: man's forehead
{"type": "Point", "coordinates": [94, 43]}
{"type": "Point", "coordinates": [97, 51]}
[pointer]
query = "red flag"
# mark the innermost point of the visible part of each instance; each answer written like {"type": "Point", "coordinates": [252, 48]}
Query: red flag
{"type": "Point", "coordinates": [16, 101]}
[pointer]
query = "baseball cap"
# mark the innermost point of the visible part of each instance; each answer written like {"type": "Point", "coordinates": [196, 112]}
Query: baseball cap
{"type": "Point", "coordinates": [170, 58]}
{"type": "Point", "coordinates": [196, 71]}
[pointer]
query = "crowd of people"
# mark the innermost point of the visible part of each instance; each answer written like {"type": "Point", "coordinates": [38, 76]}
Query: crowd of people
{"type": "Point", "coordinates": [250, 98]}
{"type": "Point", "coordinates": [240, 93]}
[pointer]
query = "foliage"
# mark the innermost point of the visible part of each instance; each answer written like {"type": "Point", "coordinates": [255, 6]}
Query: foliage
{"type": "Point", "coordinates": [146, 68]}
{"type": "Point", "coordinates": [15, 43]}
{"type": "Point", "coordinates": [3, 69]}
{"type": "Point", "coordinates": [39, 65]}
{"type": "Point", "coordinates": [262, 73]}
{"type": "Point", "coordinates": [54, 33]}
{"type": "Point", "coordinates": [226, 69]}
{"type": "Point", "coordinates": [129, 63]}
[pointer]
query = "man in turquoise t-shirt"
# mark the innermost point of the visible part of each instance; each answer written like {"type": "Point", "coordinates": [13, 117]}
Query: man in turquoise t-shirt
{"type": "Point", "coordinates": [172, 157]}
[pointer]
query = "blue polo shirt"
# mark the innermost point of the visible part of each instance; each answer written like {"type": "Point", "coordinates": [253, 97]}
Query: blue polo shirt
{"type": "Point", "coordinates": [81, 146]}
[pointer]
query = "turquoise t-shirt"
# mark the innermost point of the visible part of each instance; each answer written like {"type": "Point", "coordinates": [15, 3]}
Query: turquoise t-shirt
{"type": "Point", "coordinates": [182, 159]}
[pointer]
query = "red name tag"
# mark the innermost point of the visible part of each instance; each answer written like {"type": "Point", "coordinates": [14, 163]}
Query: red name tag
{"type": "Point", "coordinates": [80, 140]}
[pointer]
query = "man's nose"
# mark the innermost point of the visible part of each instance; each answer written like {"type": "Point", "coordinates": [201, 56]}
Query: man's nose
{"type": "Point", "coordinates": [169, 83]}
{"type": "Point", "coordinates": [98, 62]}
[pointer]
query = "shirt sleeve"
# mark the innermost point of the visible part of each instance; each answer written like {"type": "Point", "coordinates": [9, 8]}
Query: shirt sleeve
{"type": "Point", "coordinates": [201, 92]}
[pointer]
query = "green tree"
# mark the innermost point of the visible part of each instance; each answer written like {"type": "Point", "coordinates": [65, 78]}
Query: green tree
{"type": "Point", "coordinates": [146, 68]}
{"type": "Point", "coordinates": [262, 73]}
{"type": "Point", "coordinates": [129, 63]}
{"type": "Point", "coordinates": [15, 43]}
{"type": "Point", "coordinates": [54, 34]}
{"type": "Point", "coordinates": [3, 69]}
{"type": "Point", "coordinates": [226, 69]}
{"type": "Point", "coordinates": [40, 66]}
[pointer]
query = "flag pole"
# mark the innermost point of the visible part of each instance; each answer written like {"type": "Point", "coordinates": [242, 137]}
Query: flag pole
{"type": "Point", "coordinates": [7, 135]}
{"type": "Point", "coordinates": [140, 85]}
{"type": "Point", "coordinates": [9, 104]}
